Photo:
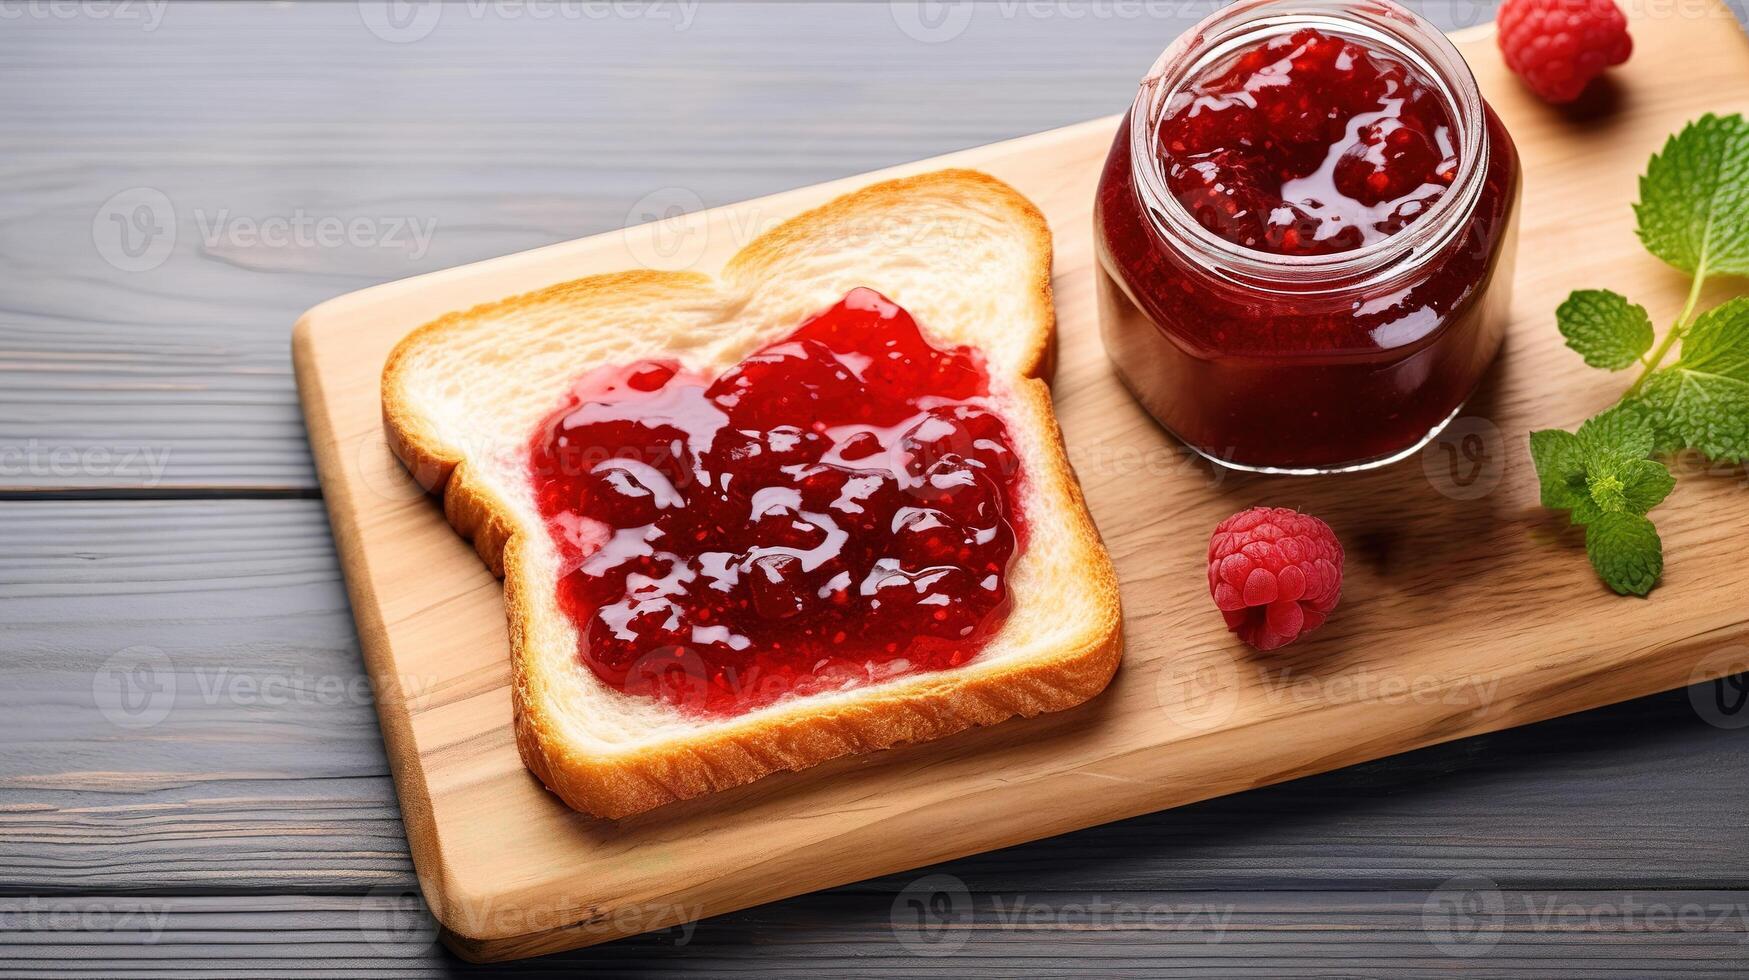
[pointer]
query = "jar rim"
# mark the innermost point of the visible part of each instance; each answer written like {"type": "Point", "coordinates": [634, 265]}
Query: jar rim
{"type": "Point", "coordinates": [1379, 22]}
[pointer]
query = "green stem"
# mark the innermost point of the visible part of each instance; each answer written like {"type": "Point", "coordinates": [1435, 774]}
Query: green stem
{"type": "Point", "coordinates": [1675, 334]}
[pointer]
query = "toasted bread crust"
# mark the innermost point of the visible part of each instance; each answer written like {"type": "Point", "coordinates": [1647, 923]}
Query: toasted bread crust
{"type": "Point", "coordinates": [805, 734]}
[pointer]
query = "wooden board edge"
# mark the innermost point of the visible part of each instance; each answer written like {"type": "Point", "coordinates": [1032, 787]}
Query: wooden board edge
{"type": "Point", "coordinates": [1700, 658]}
{"type": "Point", "coordinates": [393, 719]}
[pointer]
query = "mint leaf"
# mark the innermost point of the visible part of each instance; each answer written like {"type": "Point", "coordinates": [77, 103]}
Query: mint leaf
{"type": "Point", "coordinates": [1624, 428]}
{"type": "Point", "coordinates": [1645, 484]}
{"type": "Point", "coordinates": [1718, 341]}
{"type": "Point", "coordinates": [1586, 511]}
{"type": "Point", "coordinates": [1694, 198]}
{"type": "Point", "coordinates": [1560, 468]}
{"type": "Point", "coordinates": [1708, 412]}
{"type": "Point", "coordinates": [1702, 401]}
{"type": "Point", "coordinates": [1625, 550]}
{"type": "Point", "coordinates": [1606, 330]}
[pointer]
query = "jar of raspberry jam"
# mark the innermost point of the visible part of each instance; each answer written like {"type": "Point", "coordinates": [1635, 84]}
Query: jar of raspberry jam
{"type": "Point", "coordinates": [1305, 230]}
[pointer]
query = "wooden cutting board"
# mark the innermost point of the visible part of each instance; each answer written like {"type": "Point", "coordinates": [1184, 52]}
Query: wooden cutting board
{"type": "Point", "coordinates": [1467, 607]}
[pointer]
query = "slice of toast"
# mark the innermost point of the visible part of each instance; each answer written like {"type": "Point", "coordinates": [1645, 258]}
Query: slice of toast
{"type": "Point", "coordinates": [965, 254]}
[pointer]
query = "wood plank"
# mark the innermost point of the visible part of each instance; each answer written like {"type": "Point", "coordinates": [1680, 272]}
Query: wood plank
{"type": "Point", "coordinates": [1151, 933]}
{"type": "Point", "coordinates": [178, 376]}
{"type": "Point", "coordinates": [251, 798]}
{"type": "Point", "coordinates": [1460, 586]}
{"type": "Point", "coordinates": [183, 703]}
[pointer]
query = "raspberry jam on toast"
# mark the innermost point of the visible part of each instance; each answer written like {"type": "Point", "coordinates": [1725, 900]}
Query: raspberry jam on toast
{"type": "Point", "coordinates": [839, 508]}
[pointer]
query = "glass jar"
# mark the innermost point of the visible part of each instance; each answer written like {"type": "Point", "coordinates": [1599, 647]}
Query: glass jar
{"type": "Point", "coordinates": [1305, 363]}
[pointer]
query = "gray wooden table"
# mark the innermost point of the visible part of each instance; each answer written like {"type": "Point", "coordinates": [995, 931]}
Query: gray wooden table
{"type": "Point", "coordinates": [191, 777]}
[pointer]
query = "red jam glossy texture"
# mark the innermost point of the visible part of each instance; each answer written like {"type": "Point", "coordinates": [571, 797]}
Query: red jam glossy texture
{"type": "Point", "coordinates": [838, 508]}
{"type": "Point", "coordinates": [1308, 144]}
{"type": "Point", "coordinates": [1301, 379]}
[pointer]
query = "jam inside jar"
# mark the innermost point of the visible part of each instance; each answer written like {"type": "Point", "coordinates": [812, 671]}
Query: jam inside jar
{"type": "Point", "coordinates": [1305, 230]}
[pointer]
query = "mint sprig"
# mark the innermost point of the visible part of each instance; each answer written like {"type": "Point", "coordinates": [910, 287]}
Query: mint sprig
{"type": "Point", "coordinates": [1693, 213]}
{"type": "Point", "coordinates": [1600, 474]}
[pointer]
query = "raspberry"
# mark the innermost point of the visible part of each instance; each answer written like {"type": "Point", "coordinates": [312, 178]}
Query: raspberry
{"type": "Point", "coordinates": [1559, 46]}
{"type": "Point", "coordinates": [1275, 574]}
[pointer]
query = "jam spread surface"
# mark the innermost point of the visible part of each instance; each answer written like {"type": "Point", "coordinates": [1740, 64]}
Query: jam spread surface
{"type": "Point", "coordinates": [1307, 144]}
{"type": "Point", "coordinates": [838, 508]}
